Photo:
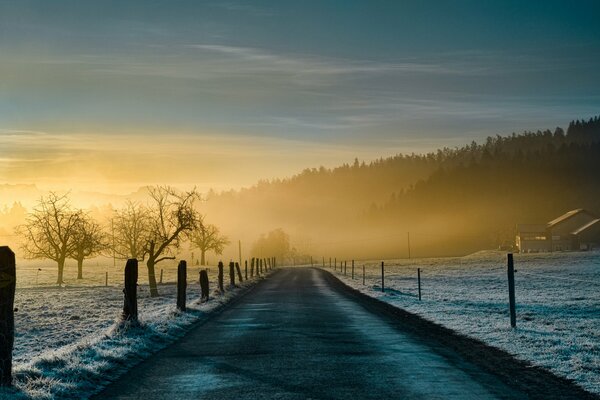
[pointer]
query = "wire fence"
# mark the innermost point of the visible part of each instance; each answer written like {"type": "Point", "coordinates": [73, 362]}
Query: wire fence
{"type": "Point", "coordinates": [547, 286]}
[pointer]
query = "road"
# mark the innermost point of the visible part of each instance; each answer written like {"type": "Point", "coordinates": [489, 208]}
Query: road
{"type": "Point", "coordinates": [297, 335]}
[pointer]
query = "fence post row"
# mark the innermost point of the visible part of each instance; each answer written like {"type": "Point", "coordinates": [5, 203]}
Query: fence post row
{"type": "Point", "coordinates": [511, 291]}
{"type": "Point", "coordinates": [221, 277]}
{"type": "Point", "coordinates": [130, 310]}
{"type": "Point", "coordinates": [204, 285]}
{"type": "Point", "coordinates": [181, 285]}
{"type": "Point", "coordinates": [8, 280]}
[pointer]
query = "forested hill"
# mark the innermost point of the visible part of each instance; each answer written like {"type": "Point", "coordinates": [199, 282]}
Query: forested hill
{"type": "Point", "coordinates": [453, 200]}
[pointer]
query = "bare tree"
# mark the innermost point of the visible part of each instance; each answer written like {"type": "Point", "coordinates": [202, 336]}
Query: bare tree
{"type": "Point", "coordinates": [208, 238]}
{"type": "Point", "coordinates": [131, 229]}
{"type": "Point", "coordinates": [49, 229]}
{"type": "Point", "coordinates": [173, 217]}
{"type": "Point", "coordinates": [88, 240]}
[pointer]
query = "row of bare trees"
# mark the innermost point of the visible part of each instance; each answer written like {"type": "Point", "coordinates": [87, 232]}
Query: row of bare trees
{"type": "Point", "coordinates": [56, 231]}
{"type": "Point", "coordinates": [150, 232]}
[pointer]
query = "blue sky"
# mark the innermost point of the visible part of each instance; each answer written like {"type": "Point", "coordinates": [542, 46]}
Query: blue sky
{"type": "Point", "coordinates": [301, 83]}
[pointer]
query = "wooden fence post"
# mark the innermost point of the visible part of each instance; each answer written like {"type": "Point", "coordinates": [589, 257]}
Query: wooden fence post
{"type": "Point", "coordinates": [252, 268]}
{"type": "Point", "coordinates": [352, 269]}
{"type": "Point", "coordinates": [130, 310]}
{"type": "Point", "coordinates": [246, 269]}
{"type": "Point", "coordinates": [161, 276]}
{"type": "Point", "coordinates": [419, 281]}
{"type": "Point", "coordinates": [511, 291]}
{"type": "Point", "coordinates": [106, 279]}
{"type": "Point", "coordinates": [323, 262]}
{"type": "Point", "coordinates": [181, 285]}
{"type": "Point", "coordinates": [335, 263]}
{"type": "Point", "coordinates": [345, 265]}
{"type": "Point", "coordinates": [204, 285]}
{"type": "Point", "coordinates": [261, 266]}
{"type": "Point", "coordinates": [231, 273]}
{"type": "Point", "coordinates": [239, 272]}
{"type": "Point", "coordinates": [221, 277]}
{"type": "Point", "coordinates": [329, 262]}
{"type": "Point", "coordinates": [363, 274]}
{"type": "Point", "coordinates": [8, 280]}
{"type": "Point", "coordinates": [382, 278]}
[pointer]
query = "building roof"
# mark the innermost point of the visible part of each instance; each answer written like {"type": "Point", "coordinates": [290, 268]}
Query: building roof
{"type": "Point", "coordinates": [531, 228]}
{"type": "Point", "coordinates": [566, 216]}
{"type": "Point", "coordinates": [585, 227]}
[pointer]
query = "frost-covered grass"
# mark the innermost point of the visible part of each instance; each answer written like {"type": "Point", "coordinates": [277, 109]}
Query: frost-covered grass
{"type": "Point", "coordinates": [69, 340]}
{"type": "Point", "coordinates": [558, 304]}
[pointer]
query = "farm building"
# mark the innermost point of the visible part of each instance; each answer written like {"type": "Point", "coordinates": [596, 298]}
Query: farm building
{"type": "Point", "coordinates": [575, 230]}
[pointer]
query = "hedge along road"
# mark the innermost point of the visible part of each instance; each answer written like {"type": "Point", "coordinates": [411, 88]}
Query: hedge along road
{"type": "Point", "coordinates": [302, 334]}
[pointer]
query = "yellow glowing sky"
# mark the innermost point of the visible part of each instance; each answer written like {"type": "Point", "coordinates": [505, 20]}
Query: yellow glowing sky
{"type": "Point", "coordinates": [122, 162]}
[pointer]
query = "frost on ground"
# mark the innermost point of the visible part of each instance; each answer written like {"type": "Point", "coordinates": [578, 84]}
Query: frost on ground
{"type": "Point", "coordinates": [69, 340]}
{"type": "Point", "coordinates": [558, 296]}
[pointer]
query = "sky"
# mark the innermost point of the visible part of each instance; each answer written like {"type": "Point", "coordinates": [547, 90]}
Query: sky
{"type": "Point", "coordinates": [111, 95]}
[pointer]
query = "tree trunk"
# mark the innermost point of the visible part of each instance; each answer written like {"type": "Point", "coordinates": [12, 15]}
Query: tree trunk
{"type": "Point", "coordinates": [152, 278]}
{"type": "Point", "coordinates": [61, 268]}
{"type": "Point", "coordinates": [80, 268]}
{"type": "Point", "coordinates": [202, 258]}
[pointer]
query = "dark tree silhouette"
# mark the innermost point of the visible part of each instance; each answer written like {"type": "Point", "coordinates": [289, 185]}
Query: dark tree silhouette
{"type": "Point", "coordinates": [88, 240]}
{"type": "Point", "coordinates": [208, 238]}
{"type": "Point", "coordinates": [172, 217]}
{"type": "Point", "coordinates": [130, 231]}
{"type": "Point", "coordinates": [48, 231]}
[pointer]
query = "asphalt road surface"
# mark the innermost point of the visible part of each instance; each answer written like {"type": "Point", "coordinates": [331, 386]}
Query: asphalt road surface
{"type": "Point", "coordinates": [301, 335]}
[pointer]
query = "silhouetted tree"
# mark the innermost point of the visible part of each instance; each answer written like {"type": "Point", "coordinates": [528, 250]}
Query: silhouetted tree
{"type": "Point", "coordinates": [48, 231]}
{"type": "Point", "coordinates": [207, 237]}
{"type": "Point", "coordinates": [88, 240]}
{"type": "Point", "coordinates": [130, 231]}
{"type": "Point", "coordinates": [172, 216]}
